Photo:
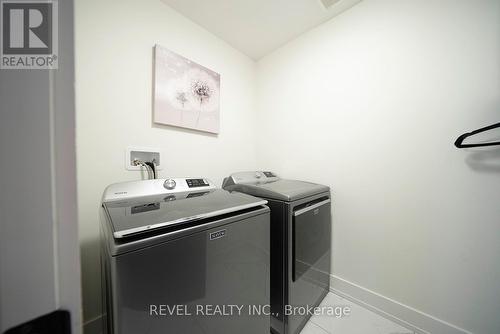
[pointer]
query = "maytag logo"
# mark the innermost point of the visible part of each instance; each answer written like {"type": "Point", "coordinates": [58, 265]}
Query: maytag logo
{"type": "Point", "coordinates": [217, 235]}
{"type": "Point", "coordinates": [29, 38]}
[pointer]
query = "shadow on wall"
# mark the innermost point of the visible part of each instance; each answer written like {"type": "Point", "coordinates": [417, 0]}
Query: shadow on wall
{"type": "Point", "coordinates": [484, 160]}
{"type": "Point", "coordinates": [91, 284]}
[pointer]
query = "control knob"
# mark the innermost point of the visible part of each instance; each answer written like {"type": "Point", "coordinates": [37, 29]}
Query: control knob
{"type": "Point", "coordinates": [169, 184]}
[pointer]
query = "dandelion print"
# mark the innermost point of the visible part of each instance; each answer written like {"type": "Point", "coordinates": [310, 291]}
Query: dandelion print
{"type": "Point", "coordinates": [186, 94]}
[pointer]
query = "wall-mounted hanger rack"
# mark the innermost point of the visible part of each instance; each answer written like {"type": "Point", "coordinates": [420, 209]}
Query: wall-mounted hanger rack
{"type": "Point", "coordinates": [460, 140]}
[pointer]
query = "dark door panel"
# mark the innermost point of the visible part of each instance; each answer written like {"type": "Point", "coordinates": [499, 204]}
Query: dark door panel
{"type": "Point", "coordinates": [311, 239]}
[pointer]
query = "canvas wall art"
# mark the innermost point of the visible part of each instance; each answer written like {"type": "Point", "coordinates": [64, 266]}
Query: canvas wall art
{"type": "Point", "coordinates": [186, 94]}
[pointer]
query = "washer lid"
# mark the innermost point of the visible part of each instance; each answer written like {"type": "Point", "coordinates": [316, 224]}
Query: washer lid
{"type": "Point", "coordinates": [138, 215]}
{"type": "Point", "coordinates": [268, 185]}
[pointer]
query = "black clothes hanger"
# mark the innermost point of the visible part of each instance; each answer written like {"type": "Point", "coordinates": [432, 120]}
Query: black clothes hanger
{"type": "Point", "coordinates": [460, 140]}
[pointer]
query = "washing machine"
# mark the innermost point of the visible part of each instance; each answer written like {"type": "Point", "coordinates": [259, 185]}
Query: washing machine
{"type": "Point", "coordinates": [300, 243]}
{"type": "Point", "coordinates": [178, 256]}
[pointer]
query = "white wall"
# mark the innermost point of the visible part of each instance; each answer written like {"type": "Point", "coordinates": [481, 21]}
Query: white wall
{"type": "Point", "coordinates": [114, 52]}
{"type": "Point", "coordinates": [370, 103]}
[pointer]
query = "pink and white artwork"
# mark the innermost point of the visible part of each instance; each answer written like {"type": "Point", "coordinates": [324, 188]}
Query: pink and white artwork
{"type": "Point", "coordinates": [186, 94]}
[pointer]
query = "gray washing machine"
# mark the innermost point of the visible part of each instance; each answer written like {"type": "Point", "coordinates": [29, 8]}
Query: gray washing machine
{"type": "Point", "coordinates": [174, 250]}
{"type": "Point", "coordinates": [300, 243]}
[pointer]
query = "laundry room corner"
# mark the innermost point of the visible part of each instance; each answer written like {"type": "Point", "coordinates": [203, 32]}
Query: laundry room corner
{"type": "Point", "coordinates": [250, 167]}
{"type": "Point", "coordinates": [114, 92]}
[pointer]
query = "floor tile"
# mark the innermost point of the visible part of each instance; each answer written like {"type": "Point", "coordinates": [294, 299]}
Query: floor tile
{"type": "Point", "coordinates": [358, 321]}
{"type": "Point", "coordinates": [312, 328]}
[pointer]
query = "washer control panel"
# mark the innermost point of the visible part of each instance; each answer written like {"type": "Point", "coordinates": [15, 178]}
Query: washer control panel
{"type": "Point", "coordinates": [127, 190]}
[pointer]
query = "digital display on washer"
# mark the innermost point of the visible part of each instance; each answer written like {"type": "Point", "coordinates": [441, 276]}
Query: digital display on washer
{"type": "Point", "coordinates": [269, 174]}
{"type": "Point", "coordinates": [194, 183]}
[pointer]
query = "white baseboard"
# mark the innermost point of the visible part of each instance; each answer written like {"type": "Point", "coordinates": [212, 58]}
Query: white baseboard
{"type": "Point", "coordinates": [413, 319]}
{"type": "Point", "coordinates": [93, 326]}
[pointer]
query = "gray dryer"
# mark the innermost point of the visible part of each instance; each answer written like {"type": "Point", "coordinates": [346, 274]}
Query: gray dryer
{"type": "Point", "coordinates": [300, 243]}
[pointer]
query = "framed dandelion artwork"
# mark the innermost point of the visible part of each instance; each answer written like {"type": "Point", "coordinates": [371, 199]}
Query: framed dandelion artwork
{"type": "Point", "coordinates": [186, 94]}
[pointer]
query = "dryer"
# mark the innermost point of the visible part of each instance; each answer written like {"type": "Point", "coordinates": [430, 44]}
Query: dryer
{"type": "Point", "coordinates": [173, 247]}
{"type": "Point", "coordinates": [300, 243]}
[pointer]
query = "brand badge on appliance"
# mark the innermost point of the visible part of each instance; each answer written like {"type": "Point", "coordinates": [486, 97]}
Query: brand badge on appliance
{"type": "Point", "coordinates": [217, 235]}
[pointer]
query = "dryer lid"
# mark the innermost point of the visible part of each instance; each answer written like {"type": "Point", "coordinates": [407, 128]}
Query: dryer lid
{"type": "Point", "coordinates": [268, 185]}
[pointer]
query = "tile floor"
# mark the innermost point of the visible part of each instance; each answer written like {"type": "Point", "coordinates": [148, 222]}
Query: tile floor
{"type": "Point", "coordinates": [360, 321]}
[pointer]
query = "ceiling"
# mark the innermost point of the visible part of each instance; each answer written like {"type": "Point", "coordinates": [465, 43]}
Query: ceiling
{"type": "Point", "coordinates": [258, 27]}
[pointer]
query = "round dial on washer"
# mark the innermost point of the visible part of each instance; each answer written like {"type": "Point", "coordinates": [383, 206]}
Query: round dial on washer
{"type": "Point", "coordinates": [169, 184]}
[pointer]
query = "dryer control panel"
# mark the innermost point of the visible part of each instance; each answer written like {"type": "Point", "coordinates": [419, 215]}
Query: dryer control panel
{"type": "Point", "coordinates": [250, 178]}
